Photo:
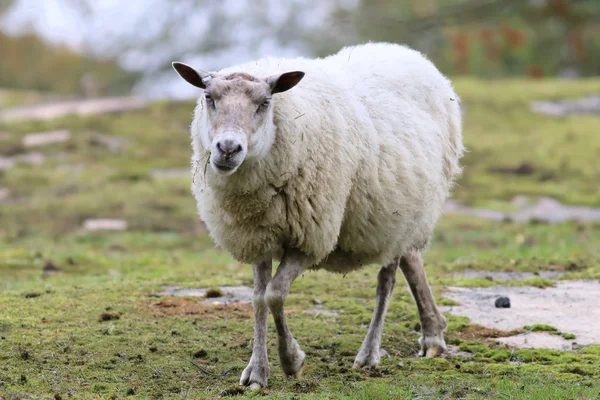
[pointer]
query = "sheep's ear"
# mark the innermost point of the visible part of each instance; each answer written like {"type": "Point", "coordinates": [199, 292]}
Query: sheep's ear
{"type": "Point", "coordinates": [197, 78]}
{"type": "Point", "coordinates": [286, 81]}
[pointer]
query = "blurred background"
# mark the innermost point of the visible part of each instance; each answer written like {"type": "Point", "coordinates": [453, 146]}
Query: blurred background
{"type": "Point", "coordinates": [85, 47]}
{"type": "Point", "coordinates": [98, 224]}
{"type": "Point", "coordinates": [94, 123]}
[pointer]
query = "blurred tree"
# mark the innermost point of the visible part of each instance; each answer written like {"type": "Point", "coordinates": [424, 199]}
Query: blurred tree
{"type": "Point", "coordinates": [486, 37]}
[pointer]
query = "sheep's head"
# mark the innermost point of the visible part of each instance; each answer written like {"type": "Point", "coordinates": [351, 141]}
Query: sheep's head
{"type": "Point", "coordinates": [238, 111]}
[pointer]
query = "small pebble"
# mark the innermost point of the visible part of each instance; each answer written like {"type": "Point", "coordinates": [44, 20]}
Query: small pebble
{"type": "Point", "coordinates": [502, 302]}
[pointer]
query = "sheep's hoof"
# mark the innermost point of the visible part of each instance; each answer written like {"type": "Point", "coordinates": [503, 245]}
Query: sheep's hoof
{"type": "Point", "coordinates": [432, 346]}
{"type": "Point", "coordinates": [369, 359]}
{"type": "Point", "coordinates": [294, 369]}
{"type": "Point", "coordinates": [292, 366]}
{"type": "Point", "coordinates": [255, 376]}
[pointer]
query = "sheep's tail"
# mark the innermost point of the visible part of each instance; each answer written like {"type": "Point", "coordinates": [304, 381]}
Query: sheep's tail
{"type": "Point", "coordinates": [455, 148]}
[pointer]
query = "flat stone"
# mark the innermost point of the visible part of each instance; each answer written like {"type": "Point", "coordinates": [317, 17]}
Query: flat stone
{"type": "Point", "coordinates": [231, 294]}
{"type": "Point", "coordinates": [536, 340]}
{"type": "Point", "coordinates": [320, 310]}
{"type": "Point", "coordinates": [80, 107]}
{"type": "Point", "coordinates": [582, 105]}
{"type": "Point", "coordinates": [32, 158]}
{"type": "Point", "coordinates": [571, 307]}
{"type": "Point", "coordinates": [6, 163]}
{"type": "Point", "coordinates": [105, 225]}
{"type": "Point", "coordinates": [544, 209]}
{"type": "Point", "coordinates": [44, 138]}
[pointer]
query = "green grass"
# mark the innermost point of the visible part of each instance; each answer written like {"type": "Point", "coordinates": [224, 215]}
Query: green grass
{"type": "Point", "coordinates": [97, 329]}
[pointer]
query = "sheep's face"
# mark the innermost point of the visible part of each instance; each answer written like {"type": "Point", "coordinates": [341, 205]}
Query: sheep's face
{"type": "Point", "coordinates": [237, 114]}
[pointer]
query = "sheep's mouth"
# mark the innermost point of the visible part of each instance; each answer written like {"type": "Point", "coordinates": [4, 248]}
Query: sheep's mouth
{"type": "Point", "coordinates": [224, 168]}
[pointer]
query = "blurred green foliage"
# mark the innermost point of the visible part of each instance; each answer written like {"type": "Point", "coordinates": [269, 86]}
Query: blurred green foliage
{"type": "Point", "coordinates": [27, 62]}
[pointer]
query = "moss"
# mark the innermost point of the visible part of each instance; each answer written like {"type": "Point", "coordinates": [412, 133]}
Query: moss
{"type": "Point", "coordinates": [569, 336]}
{"type": "Point", "coordinates": [540, 328]}
{"type": "Point", "coordinates": [145, 352]}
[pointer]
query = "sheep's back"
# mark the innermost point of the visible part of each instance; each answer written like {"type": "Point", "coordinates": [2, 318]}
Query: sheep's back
{"type": "Point", "coordinates": [413, 153]}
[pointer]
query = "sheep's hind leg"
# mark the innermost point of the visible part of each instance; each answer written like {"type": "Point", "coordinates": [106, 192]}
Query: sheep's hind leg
{"type": "Point", "coordinates": [256, 373]}
{"type": "Point", "coordinates": [290, 354]}
{"type": "Point", "coordinates": [433, 322]}
{"type": "Point", "coordinates": [369, 353]}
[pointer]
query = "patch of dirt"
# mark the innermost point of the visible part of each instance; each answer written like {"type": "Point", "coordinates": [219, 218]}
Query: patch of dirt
{"type": "Point", "coordinates": [583, 105]}
{"type": "Point", "coordinates": [476, 331]}
{"type": "Point", "coordinates": [543, 209]}
{"type": "Point", "coordinates": [571, 307]}
{"type": "Point", "coordinates": [110, 316]}
{"type": "Point", "coordinates": [175, 306]}
{"type": "Point", "coordinates": [509, 276]}
{"type": "Point", "coordinates": [50, 268]}
{"type": "Point", "coordinates": [523, 169]}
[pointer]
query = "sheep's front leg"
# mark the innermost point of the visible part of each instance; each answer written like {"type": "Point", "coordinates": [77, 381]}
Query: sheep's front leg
{"type": "Point", "coordinates": [256, 373]}
{"type": "Point", "coordinates": [290, 354]}
{"type": "Point", "coordinates": [433, 322]}
{"type": "Point", "coordinates": [368, 355]}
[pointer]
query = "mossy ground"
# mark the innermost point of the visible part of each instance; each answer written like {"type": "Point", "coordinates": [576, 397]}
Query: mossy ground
{"type": "Point", "coordinates": [97, 329]}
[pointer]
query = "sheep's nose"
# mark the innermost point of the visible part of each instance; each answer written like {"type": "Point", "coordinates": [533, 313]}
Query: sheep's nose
{"type": "Point", "coordinates": [229, 148]}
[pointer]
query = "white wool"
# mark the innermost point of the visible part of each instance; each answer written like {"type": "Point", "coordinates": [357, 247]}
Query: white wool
{"type": "Point", "coordinates": [363, 156]}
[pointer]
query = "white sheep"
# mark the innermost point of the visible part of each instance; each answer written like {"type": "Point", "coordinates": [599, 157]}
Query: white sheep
{"type": "Point", "coordinates": [351, 167]}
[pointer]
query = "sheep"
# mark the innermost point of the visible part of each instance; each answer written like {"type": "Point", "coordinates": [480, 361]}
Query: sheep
{"type": "Point", "coordinates": [350, 168]}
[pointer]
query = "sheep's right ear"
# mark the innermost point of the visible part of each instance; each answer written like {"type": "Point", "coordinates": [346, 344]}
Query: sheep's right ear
{"type": "Point", "coordinates": [197, 78]}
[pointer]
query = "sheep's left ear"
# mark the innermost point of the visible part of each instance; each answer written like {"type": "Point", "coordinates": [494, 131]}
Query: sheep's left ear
{"type": "Point", "coordinates": [283, 82]}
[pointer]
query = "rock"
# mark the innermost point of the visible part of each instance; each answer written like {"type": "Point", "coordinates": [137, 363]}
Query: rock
{"type": "Point", "coordinates": [27, 158]}
{"type": "Point", "coordinates": [43, 138]}
{"type": "Point", "coordinates": [502, 302]}
{"type": "Point", "coordinates": [105, 225]}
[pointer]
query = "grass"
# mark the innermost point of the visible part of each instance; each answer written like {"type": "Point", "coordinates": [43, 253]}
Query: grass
{"type": "Point", "coordinates": [97, 328]}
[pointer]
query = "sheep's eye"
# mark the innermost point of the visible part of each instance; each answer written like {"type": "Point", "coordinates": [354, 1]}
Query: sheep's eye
{"type": "Point", "coordinates": [264, 105]}
{"type": "Point", "coordinates": [209, 100]}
